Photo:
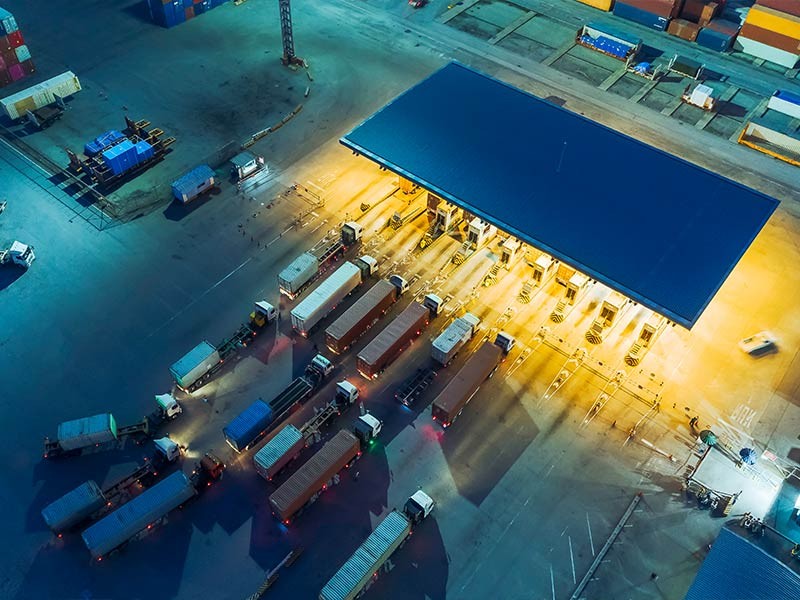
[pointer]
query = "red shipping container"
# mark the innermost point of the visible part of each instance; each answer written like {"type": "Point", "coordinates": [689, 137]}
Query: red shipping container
{"type": "Point", "coordinates": [2, 64]}
{"type": "Point", "coordinates": [189, 12]}
{"type": "Point", "coordinates": [5, 43]}
{"type": "Point", "coordinates": [5, 78]}
{"type": "Point", "coordinates": [16, 72]}
{"type": "Point", "coordinates": [15, 39]}
{"type": "Point", "coordinates": [723, 26]}
{"type": "Point", "coordinates": [9, 56]}
{"type": "Point", "coordinates": [28, 66]}
{"type": "Point", "coordinates": [662, 8]}
{"type": "Point", "coordinates": [790, 7]}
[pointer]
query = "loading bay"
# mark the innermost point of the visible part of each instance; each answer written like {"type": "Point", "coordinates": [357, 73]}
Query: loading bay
{"type": "Point", "coordinates": [531, 480]}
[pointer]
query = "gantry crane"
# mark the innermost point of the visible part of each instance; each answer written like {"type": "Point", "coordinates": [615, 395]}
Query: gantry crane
{"type": "Point", "coordinates": [287, 36]}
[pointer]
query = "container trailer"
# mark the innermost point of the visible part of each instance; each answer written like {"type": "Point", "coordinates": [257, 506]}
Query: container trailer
{"type": "Point", "coordinates": [77, 435]}
{"type": "Point", "coordinates": [394, 338]}
{"type": "Point", "coordinates": [149, 508]}
{"type": "Point", "coordinates": [446, 346]}
{"type": "Point", "coordinates": [198, 366]}
{"type": "Point", "coordinates": [307, 267]}
{"type": "Point", "coordinates": [303, 387]}
{"type": "Point", "coordinates": [248, 426]}
{"type": "Point", "coordinates": [326, 296]}
{"type": "Point", "coordinates": [459, 391]}
{"type": "Point", "coordinates": [279, 451]}
{"type": "Point", "coordinates": [352, 579]}
{"type": "Point", "coordinates": [313, 477]}
{"type": "Point", "coordinates": [40, 95]}
{"type": "Point", "coordinates": [364, 313]}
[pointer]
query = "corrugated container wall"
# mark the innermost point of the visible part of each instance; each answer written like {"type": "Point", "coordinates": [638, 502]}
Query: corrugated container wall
{"type": "Point", "coordinates": [73, 507]}
{"type": "Point", "coordinates": [248, 425]}
{"type": "Point", "coordinates": [278, 451]}
{"type": "Point", "coordinates": [88, 431]}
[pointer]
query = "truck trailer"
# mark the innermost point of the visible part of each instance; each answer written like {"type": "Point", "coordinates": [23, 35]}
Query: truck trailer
{"type": "Point", "coordinates": [446, 346]}
{"type": "Point", "coordinates": [362, 315]}
{"type": "Point", "coordinates": [390, 342]}
{"type": "Point", "coordinates": [325, 297]}
{"type": "Point", "coordinates": [305, 269]}
{"type": "Point", "coordinates": [198, 365]}
{"type": "Point", "coordinates": [279, 451]}
{"type": "Point", "coordinates": [305, 484]}
{"type": "Point", "coordinates": [303, 387]}
{"type": "Point", "coordinates": [149, 508]}
{"type": "Point", "coordinates": [248, 426]}
{"type": "Point", "coordinates": [461, 388]}
{"type": "Point", "coordinates": [351, 580]}
{"type": "Point", "coordinates": [74, 507]}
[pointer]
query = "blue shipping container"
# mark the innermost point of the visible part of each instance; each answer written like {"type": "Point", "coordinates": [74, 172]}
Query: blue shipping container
{"type": "Point", "coordinates": [8, 24]}
{"type": "Point", "coordinates": [102, 141]}
{"type": "Point", "coordinates": [193, 183]}
{"type": "Point", "coordinates": [120, 158]}
{"type": "Point", "coordinates": [201, 7]}
{"type": "Point", "coordinates": [248, 426]}
{"type": "Point", "coordinates": [715, 40]}
{"type": "Point", "coordinates": [144, 151]}
{"type": "Point", "coordinates": [637, 15]}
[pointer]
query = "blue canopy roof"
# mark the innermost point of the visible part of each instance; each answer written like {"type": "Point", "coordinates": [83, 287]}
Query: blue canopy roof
{"type": "Point", "coordinates": [738, 569]}
{"type": "Point", "coordinates": [657, 228]}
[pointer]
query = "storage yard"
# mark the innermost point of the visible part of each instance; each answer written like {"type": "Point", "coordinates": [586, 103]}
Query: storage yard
{"type": "Point", "coordinates": [415, 328]}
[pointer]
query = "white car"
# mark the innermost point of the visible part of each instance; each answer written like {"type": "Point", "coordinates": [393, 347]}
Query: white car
{"type": "Point", "coordinates": [758, 343]}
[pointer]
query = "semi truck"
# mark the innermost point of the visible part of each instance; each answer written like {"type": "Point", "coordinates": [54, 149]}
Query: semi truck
{"type": "Point", "coordinates": [73, 437]}
{"type": "Point", "coordinates": [149, 508]}
{"type": "Point", "coordinates": [352, 579]}
{"type": "Point", "coordinates": [305, 269]}
{"type": "Point", "coordinates": [89, 501]}
{"type": "Point", "coordinates": [327, 295]}
{"type": "Point", "coordinates": [389, 343]}
{"type": "Point", "coordinates": [251, 424]}
{"type": "Point", "coordinates": [446, 346]}
{"type": "Point", "coordinates": [313, 477]}
{"type": "Point", "coordinates": [364, 313]}
{"type": "Point", "coordinates": [460, 389]}
{"type": "Point", "coordinates": [198, 365]}
{"type": "Point", "coordinates": [19, 254]}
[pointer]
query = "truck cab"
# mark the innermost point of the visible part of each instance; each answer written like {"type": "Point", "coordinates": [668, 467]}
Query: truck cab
{"type": "Point", "coordinates": [400, 283]}
{"type": "Point", "coordinates": [19, 254]}
{"type": "Point", "coordinates": [351, 233]}
{"type": "Point", "coordinates": [418, 507]}
{"type": "Point", "coordinates": [167, 449]}
{"type": "Point", "coordinates": [169, 406]}
{"type": "Point", "coordinates": [367, 429]}
{"type": "Point", "coordinates": [263, 313]}
{"type": "Point", "coordinates": [367, 264]}
{"type": "Point", "coordinates": [433, 303]}
{"type": "Point", "coordinates": [505, 341]}
{"type": "Point", "coordinates": [319, 368]}
{"type": "Point", "coordinates": [209, 469]}
{"type": "Point", "coordinates": [346, 393]}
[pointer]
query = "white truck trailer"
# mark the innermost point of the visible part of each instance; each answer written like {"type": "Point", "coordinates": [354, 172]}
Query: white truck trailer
{"type": "Point", "coordinates": [327, 295]}
{"type": "Point", "coordinates": [354, 576]}
{"type": "Point", "coordinates": [452, 339]}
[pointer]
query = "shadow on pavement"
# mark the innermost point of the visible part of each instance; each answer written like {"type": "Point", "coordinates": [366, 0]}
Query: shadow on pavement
{"type": "Point", "coordinates": [9, 274]}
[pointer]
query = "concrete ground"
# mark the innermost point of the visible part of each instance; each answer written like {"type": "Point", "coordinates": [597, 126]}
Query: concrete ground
{"type": "Point", "coordinates": [527, 490]}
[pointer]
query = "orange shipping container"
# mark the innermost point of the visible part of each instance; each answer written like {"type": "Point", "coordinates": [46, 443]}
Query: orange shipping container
{"type": "Point", "coordinates": [772, 20]}
{"type": "Point", "coordinates": [601, 4]}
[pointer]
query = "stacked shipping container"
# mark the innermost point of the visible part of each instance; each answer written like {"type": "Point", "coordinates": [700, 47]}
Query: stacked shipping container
{"type": "Point", "coordinates": [655, 14]}
{"type": "Point", "coordinates": [169, 13]}
{"type": "Point", "coordinates": [771, 31]}
{"type": "Point", "coordinates": [15, 57]}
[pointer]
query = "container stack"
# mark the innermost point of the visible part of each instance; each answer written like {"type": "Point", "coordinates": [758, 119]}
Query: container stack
{"type": "Point", "coordinates": [15, 58]}
{"type": "Point", "coordinates": [169, 13]}
{"type": "Point", "coordinates": [601, 4]}
{"type": "Point", "coordinates": [655, 14]}
{"type": "Point", "coordinates": [125, 155]}
{"type": "Point", "coordinates": [718, 35]}
{"type": "Point", "coordinates": [771, 32]}
{"type": "Point", "coordinates": [693, 16]}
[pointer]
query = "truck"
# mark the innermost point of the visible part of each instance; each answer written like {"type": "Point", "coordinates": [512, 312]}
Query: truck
{"type": "Point", "coordinates": [363, 566]}
{"type": "Point", "coordinates": [390, 342]}
{"type": "Point", "coordinates": [248, 426]}
{"type": "Point", "coordinates": [367, 427]}
{"type": "Point", "coordinates": [313, 477]}
{"type": "Point", "coordinates": [362, 315]}
{"type": "Point", "coordinates": [19, 254]}
{"type": "Point", "coordinates": [327, 295]}
{"type": "Point", "coordinates": [196, 367]}
{"type": "Point", "coordinates": [305, 269]}
{"type": "Point", "coordinates": [446, 346]}
{"type": "Point", "coordinates": [149, 508]}
{"type": "Point", "coordinates": [73, 437]}
{"type": "Point", "coordinates": [460, 389]}
{"type": "Point", "coordinates": [88, 501]}
{"type": "Point", "coordinates": [303, 387]}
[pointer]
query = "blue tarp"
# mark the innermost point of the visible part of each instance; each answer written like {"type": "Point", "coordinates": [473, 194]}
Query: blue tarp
{"type": "Point", "coordinates": [737, 569]}
{"type": "Point", "coordinates": [104, 140]}
{"type": "Point", "coordinates": [653, 226]}
{"type": "Point", "coordinates": [121, 158]}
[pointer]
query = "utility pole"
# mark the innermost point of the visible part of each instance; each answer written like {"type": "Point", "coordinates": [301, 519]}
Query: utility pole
{"type": "Point", "coordinates": [287, 36]}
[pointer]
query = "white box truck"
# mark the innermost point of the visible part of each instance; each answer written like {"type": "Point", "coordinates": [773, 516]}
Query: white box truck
{"type": "Point", "coordinates": [452, 339]}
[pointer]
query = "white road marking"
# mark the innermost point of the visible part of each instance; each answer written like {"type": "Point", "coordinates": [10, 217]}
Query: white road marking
{"type": "Point", "coordinates": [572, 561]}
{"type": "Point", "coordinates": [552, 582]}
{"type": "Point", "coordinates": [206, 292]}
{"type": "Point", "coordinates": [589, 527]}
